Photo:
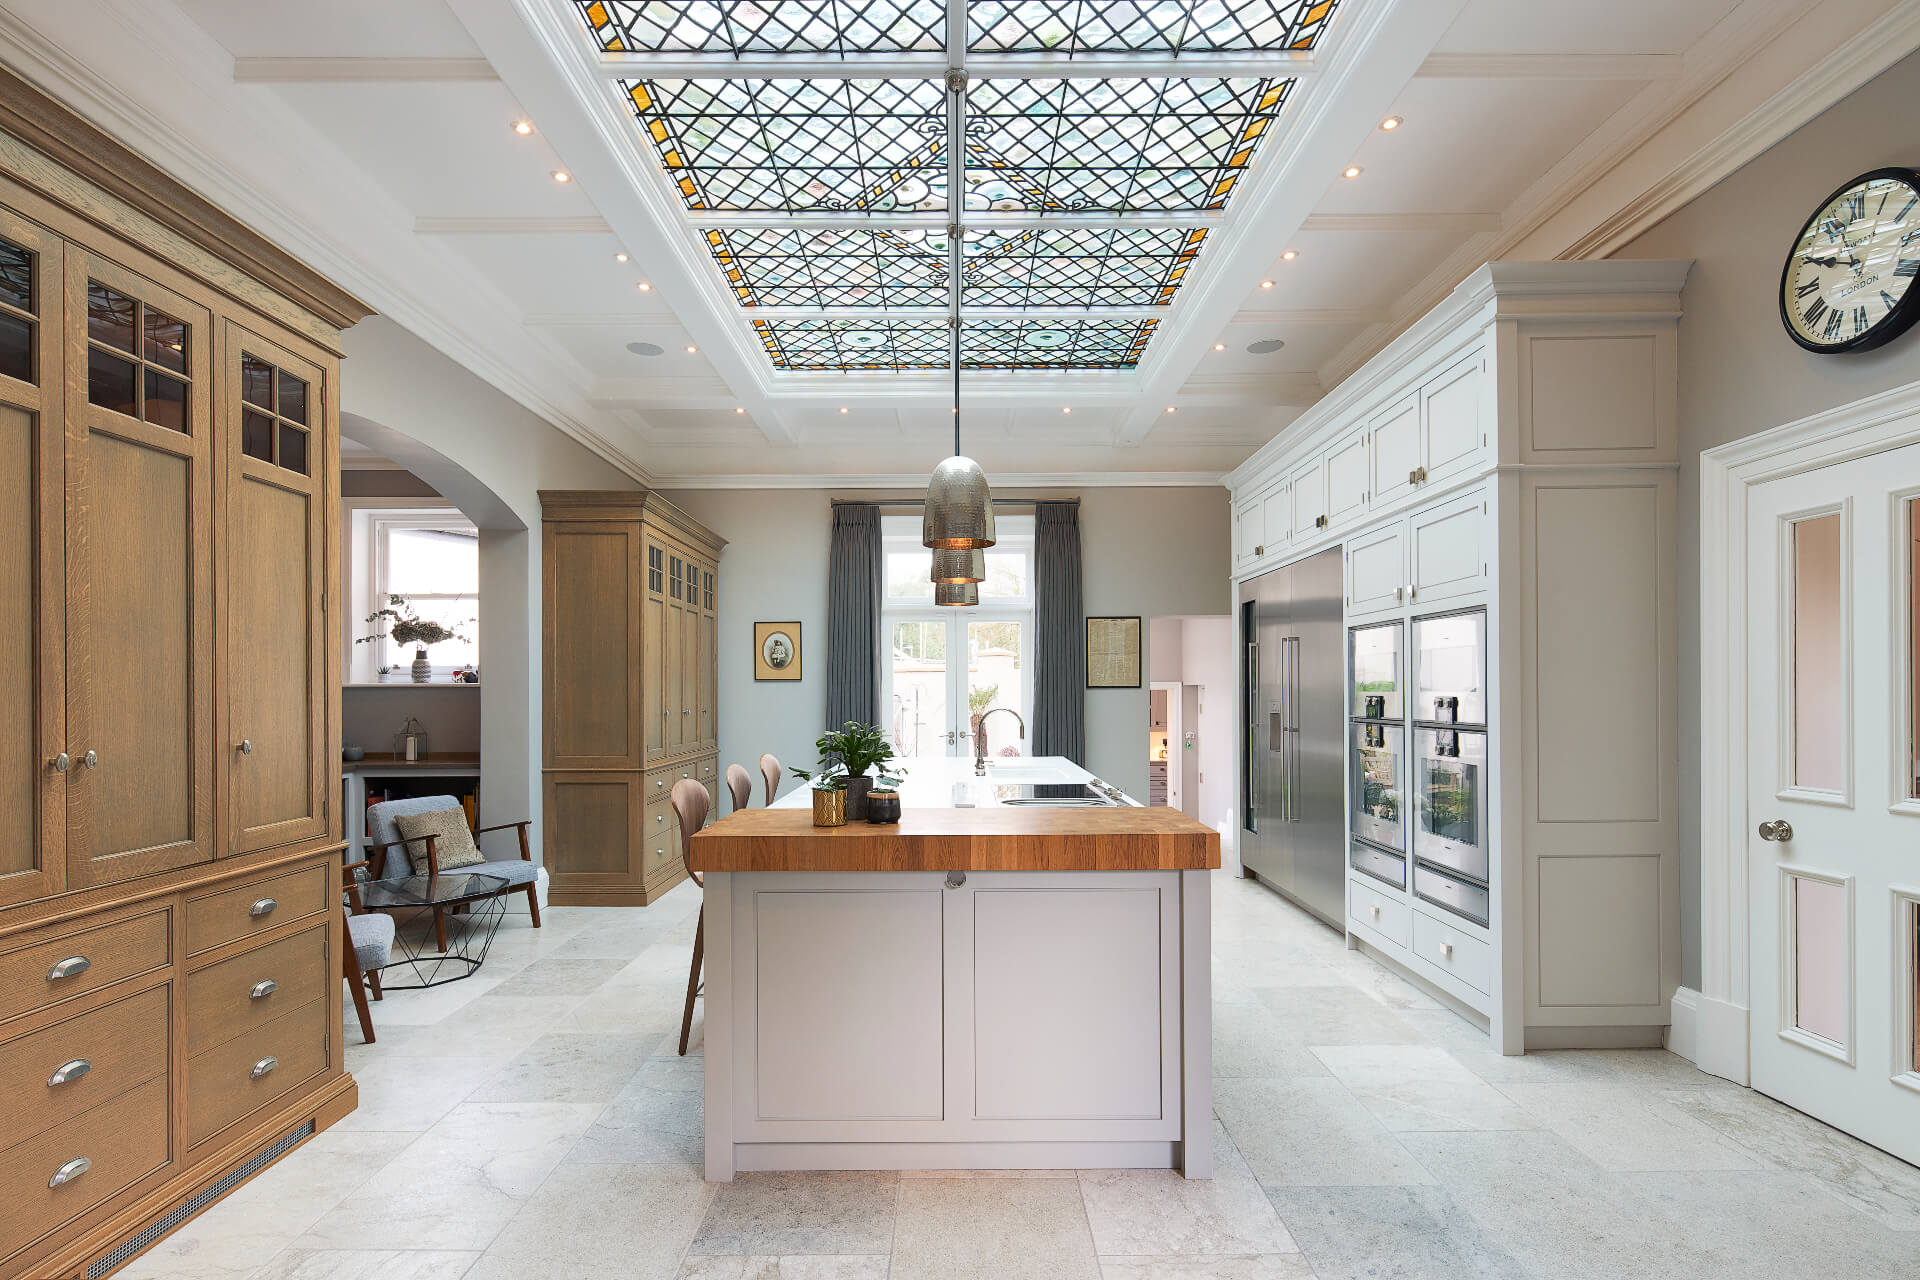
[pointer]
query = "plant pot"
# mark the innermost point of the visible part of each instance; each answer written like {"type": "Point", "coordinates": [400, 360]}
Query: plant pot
{"type": "Point", "coordinates": [883, 807]}
{"type": "Point", "coordinates": [422, 669]}
{"type": "Point", "coordinates": [829, 808]}
{"type": "Point", "coordinates": [857, 789]}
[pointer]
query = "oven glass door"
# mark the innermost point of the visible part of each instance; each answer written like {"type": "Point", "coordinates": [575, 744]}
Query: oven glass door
{"type": "Point", "coordinates": [1378, 759]}
{"type": "Point", "coordinates": [1377, 692]}
{"type": "Point", "coordinates": [1450, 668]}
{"type": "Point", "coordinates": [1450, 800]}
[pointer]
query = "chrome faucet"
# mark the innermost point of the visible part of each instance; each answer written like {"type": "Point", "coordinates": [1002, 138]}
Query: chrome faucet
{"type": "Point", "coordinates": [980, 738]}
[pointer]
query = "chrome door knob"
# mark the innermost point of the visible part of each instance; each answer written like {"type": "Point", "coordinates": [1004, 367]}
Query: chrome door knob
{"type": "Point", "coordinates": [92, 759]}
{"type": "Point", "coordinates": [246, 746]}
{"type": "Point", "coordinates": [1779, 831]}
{"type": "Point", "coordinates": [62, 762]}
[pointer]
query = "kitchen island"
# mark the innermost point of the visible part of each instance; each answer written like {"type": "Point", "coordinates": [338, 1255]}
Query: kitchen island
{"type": "Point", "coordinates": [1015, 978]}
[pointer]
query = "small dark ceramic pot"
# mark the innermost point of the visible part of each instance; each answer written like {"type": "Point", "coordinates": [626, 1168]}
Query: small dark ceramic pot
{"type": "Point", "coordinates": [857, 789]}
{"type": "Point", "coordinates": [883, 807]}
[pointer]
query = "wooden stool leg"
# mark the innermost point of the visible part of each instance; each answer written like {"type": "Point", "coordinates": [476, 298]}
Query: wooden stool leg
{"type": "Point", "coordinates": [440, 929]}
{"type": "Point", "coordinates": [373, 980]}
{"type": "Point", "coordinates": [693, 980]}
{"type": "Point", "coordinates": [533, 903]}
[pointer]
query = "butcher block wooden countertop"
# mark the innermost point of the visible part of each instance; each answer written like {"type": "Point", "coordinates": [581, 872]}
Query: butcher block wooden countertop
{"type": "Point", "coordinates": [984, 839]}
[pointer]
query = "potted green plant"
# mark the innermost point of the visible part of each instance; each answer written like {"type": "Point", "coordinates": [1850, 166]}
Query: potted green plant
{"type": "Point", "coordinates": [407, 627]}
{"type": "Point", "coordinates": [851, 752]}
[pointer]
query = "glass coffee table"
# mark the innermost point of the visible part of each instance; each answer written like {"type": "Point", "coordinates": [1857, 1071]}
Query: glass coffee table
{"type": "Point", "coordinates": [442, 925]}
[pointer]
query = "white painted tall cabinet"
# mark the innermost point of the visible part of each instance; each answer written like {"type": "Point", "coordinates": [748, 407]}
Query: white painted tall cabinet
{"type": "Point", "coordinates": [1516, 450]}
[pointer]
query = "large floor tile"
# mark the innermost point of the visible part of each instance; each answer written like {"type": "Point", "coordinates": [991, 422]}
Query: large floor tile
{"type": "Point", "coordinates": [1625, 1126]}
{"type": "Point", "coordinates": [1414, 1088]}
{"type": "Point", "coordinates": [655, 1119]}
{"type": "Point", "coordinates": [1390, 1233]}
{"type": "Point", "coordinates": [600, 1222]}
{"type": "Point", "coordinates": [1004, 1228]}
{"type": "Point", "coordinates": [1784, 1217]}
{"type": "Point", "coordinates": [413, 1094]}
{"type": "Point", "coordinates": [1252, 1042]}
{"type": "Point", "coordinates": [1331, 1015]}
{"type": "Point", "coordinates": [1273, 1266]}
{"type": "Point", "coordinates": [792, 1267]}
{"type": "Point", "coordinates": [367, 1264]}
{"type": "Point", "coordinates": [790, 1213]}
{"type": "Point", "coordinates": [1156, 1212]}
{"type": "Point", "coordinates": [1311, 1133]}
{"type": "Point", "coordinates": [569, 1066]}
{"type": "Point", "coordinates": [557, 975]}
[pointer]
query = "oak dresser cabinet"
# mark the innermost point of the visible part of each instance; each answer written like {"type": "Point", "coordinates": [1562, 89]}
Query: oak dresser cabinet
{"type": "Point", "coordinates": [169, 699]}
{"type": "Point", "coordinates": [630, 653]}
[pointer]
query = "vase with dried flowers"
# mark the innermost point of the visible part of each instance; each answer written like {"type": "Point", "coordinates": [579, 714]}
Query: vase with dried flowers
{"type": "Point", "coordinates": [406, 626]}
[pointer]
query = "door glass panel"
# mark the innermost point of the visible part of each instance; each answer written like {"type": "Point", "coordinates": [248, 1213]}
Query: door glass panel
{"type": "Point", "coordinates": [1451, 671]}
{"type": "Point", "coordinates": [293, 448]}
{"type": "Point", "coordinates": [166, 341]}
{"type": "Point", "coordinates": [1820, 947]}
{"type": "Point", "coordinates": [1819, 753]}
{"type": "Point", "coordinates": [256, 381]}
{"type": "Point", "coordinates": [1377, 803]}
{"type": "Point", "coordinates": [109, 316]}
{"type": "Point", "coordinates": [16, 277]}
{"type": "Point", "coordinates": [16, 295]}
{"type": "Point", "coordinates": [166, 401]}
{"type": "Point", "coordinates": [1450, 800]}
{"type": "Point", "coordinates": [918, 716]}
{"type": "Point", "coordinates": [256, 436]}
{"type": "Point", "coordinates": [111, 382]}
{"type": "Point", "coordinates": [996, 677]}
{"type": "Point", "coordinates": [20, 763]}
{"type": "Point", "coordinates": [1376, 672]}
{"type": "Point", "coordinates": [16, 347]}
{"type": "Point", "coordinates": [293, 398]}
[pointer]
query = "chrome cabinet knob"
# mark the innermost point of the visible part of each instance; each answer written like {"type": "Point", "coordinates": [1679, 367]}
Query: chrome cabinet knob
{"type": "Point", "coordinates": [1446, 949]}
{"type": "Point", "coordinates": [69, 1171]}
{"type": "Point", "coordinates": [68, 968]}
{"type": "Point", "coordinates": [263, 1067]}
{"type": "Point", "coordinates": [246, 746]}
{"type": "Point", "coordinates": [1374, 911]}
{"type": "Point", "coordinates": [1779, 831]}
{"type": "Point", "coordinates": [68, 1071]}
{"type": "Point", "coordinates": [262, 989]}
{"type": "Point", "coordinates": [91, 759]}
{"type": "Point", "coordinates": [62, 762]}
{"type": "Point", "coordinates": [264, 907]}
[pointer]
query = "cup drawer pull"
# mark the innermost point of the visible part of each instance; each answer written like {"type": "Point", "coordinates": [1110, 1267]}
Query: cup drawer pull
{"type": "Point", "coordinates": [69, 1171]}
{"type": "Point", "coordinates": [263, 1067]}
{"type": "Point", "coordinates": [264, 907]}
{"type": "Point", "coordinates": [69, 1071]}
{"type": "Point", "coordinates": [262, 989]}
{"type": "Point", "coordinates": [69, 967]}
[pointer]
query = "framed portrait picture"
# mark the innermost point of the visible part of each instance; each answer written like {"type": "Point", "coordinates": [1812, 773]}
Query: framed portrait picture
{"type": "Point", "coordinates": [776, 651]}
{"type": "Point", "coordinates": [1113, 653]}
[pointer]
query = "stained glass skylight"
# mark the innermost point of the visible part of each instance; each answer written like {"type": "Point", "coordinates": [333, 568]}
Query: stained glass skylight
{"type": "Point", "coordinates": [812, 161]}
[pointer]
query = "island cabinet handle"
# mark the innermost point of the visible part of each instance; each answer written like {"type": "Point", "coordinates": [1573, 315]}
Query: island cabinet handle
{"type": "Point", "coordinates": [955, 879]}
{"type": "Point", "coordinates": [68, 968]}
{"type": "Point", "coordinates": [264, 907]}
{"type": "Point", "coordinates": [68, 1071]}
{"type": "Point", "coordinates": [69, 1171]}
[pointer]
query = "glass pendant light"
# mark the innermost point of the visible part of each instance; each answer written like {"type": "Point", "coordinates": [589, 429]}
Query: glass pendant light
{"type": "Point", "coordinates": [955, 567]}
{"type": "Point", "coordinates": [956, 593]}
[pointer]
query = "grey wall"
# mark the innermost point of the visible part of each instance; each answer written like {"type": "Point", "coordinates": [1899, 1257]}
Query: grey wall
{"type": "Point", "coordinates": [1144, 551]}
{"type": "Point", "coordinates": [1740, 373]}
{"type": "Point", "coordinates": [451, 712]}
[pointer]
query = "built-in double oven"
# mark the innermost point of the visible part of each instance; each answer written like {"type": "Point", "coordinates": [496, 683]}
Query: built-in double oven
{"type": "Point", "coordinates": [1417, 756]}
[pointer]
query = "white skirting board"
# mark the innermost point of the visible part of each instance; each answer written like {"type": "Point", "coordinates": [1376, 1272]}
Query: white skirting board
{"type": "Point", "coordinates": [1710, 1033]}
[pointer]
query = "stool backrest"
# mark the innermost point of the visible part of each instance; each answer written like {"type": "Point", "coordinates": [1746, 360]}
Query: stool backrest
{"type": "Point", "coordinates": [741, 786]}
{"type": "Point", "coordinates": [770, 770]}
{"type": "Point", "coordinates": [690, 804]}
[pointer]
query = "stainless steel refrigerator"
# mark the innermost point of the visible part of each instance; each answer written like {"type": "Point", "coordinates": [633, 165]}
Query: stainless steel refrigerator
{"type": "Point", "coordinates": [1293, 735]}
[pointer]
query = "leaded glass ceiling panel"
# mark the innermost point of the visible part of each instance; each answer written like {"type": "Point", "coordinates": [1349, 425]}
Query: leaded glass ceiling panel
{"type": "Point", "coordinates": [828, 267]}
{"type": "Point", "coordinates": [835, 27]}
{"type": "Point", "coordinates": [880, 344]}
{"type": "Point", "coordinates": [1089, 267]}
{"type": "Point", "coordinates": [1143, 26]}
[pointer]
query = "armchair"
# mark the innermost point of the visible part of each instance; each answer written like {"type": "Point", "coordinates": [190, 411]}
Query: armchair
{"type": "Point", "coordinates": [384, 834]}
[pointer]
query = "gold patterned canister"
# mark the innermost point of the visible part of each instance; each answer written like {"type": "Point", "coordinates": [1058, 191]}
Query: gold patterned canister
{"type": "Point", "coordinates": [829, 808]}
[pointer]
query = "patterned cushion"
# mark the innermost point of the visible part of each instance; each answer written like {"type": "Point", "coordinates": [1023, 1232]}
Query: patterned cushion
{"type": "Point", "coordinates": [453, 846]}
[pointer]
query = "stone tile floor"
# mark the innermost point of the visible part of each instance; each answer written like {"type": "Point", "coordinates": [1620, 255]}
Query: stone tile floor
{"type": "Point", "coordinates": [534, 1121]}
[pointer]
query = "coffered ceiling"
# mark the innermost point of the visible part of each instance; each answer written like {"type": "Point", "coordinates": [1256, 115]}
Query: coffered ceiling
{"type": "Point", "coordinates": [749, 271]}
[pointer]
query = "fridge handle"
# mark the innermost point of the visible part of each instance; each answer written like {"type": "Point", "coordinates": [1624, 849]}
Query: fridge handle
{"type": "Point", "coordinates": [1249, 767]}
{"type": "Point", "coordinates": [1293, 722]}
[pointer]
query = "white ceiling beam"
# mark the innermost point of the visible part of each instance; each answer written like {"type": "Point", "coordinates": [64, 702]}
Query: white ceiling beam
{"type": "Point", "coordinates": [1381, 47]}
{"type": "Point", "coordinates": [361, 70]}
{"type": "Point", "coordinates": [1552, 66]}
{"type": "Point", "coordinates": [932, 66]}
{"type": "Point", "coordinates": [511, 227]}
{"type": "Point", "coordinates": [1404, 223]}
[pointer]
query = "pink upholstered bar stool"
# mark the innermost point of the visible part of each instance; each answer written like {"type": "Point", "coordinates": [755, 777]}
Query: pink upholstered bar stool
{"type": "Point", "coordinates": [690, 803]}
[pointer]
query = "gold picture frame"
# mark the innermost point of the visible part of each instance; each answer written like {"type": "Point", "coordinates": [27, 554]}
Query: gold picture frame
{"type": "Point", "coordinates": [776, 651]}
{"type": "Point", "coordinates": [1113, 653]}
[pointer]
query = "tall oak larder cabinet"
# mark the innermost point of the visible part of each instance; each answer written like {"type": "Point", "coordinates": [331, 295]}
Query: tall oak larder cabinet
{"type": "Point", "coordinates": [630, 651]}
{"type": "Point", "coordinates": [169, 699]}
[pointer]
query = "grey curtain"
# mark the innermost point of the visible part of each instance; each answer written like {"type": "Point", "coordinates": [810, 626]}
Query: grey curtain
{"type": "Point", "coordinates": [854, 585]}
{"type": "Point", "coordinates": [1060, 635]}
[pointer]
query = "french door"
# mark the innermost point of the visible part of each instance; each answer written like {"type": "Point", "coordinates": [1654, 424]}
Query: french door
{"type": "Point", "coordinates": [1833, 797]}
{"type": "Point", "coordinates": [941, 670]}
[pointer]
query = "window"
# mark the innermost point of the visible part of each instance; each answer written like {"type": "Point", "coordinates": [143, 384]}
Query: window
{"type": "Point", "coordinates": [942, 669]}
{"type": "Point", "coordinates": [431, 557]}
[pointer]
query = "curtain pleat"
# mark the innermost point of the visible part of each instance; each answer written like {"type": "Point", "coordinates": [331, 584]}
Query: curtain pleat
{"type": "Point", "coordinates": [854, 585]}
{"type": "Point", "coordinates": [1060, 641]}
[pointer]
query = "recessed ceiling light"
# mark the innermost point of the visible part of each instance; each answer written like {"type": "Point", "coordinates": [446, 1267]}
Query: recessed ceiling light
{"type": "Point", "coordinates": [523, 127]}
{"type": "Point", "coordinates": [1391, 123]}
{"type": "Point", "coordinates": [645, 348]}
{"type": "Point", "coordinates": [619, 257]}
{"type": "Point", "coordinates": [737, 409]}
{"type": "Point", "coordinates": [843, 408]}
{"type": "Point", "coordinates": [1264, 347]}
{"type": "Point", "coordinates": [1066, 408]}
{"type": "Point", "coordinates": [645, 287]}
{"type": "Point", "coordinates": [1289, 255]}
{"type": "Point", "coordinates": [1169, 408]}
{"type": "Point", "coordinates": [1352, 171]}
{"type": "Point", "coordinates": [1219, 346]}
{"type": "Point", "coordinates": [561, 175]}
{"type": "Point", "coordinates": [691, 348]}
{"type": "Point", "coordinates": [1266, 284]}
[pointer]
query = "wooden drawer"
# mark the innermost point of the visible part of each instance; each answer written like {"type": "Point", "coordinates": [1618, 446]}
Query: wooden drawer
{"type": "Point", "coordinates": [257, 906]}
{"type": "Point", "coordinates": [124, 1140]}
{"type": "Point", "coordinates": [1378, 912]}
{"type": "Point", "coordinates": [1453, 951]}
{"type": "Point", "coordinates": [659, 836]}
{"type": "Point", "coordinates": [89, 959]}
{"type": "Point", "coordinates": [120, 1044]}
{"type": "Point", "coordinates": [228, 998]}
{"type": "Point", "coordinates": [221, 1085]}
{"type": "Point", "coordinates": [659, 782]}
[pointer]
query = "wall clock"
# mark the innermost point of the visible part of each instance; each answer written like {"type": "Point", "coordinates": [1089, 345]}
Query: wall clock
{"type": "Point", "coordinates": [1848, 283]}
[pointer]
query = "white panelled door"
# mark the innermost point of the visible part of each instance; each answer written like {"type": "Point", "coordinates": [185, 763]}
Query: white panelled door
{"type": "Point", "coordinates": [1833, 818]}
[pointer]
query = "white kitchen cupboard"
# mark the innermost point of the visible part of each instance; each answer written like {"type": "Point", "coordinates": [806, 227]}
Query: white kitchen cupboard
{"type": "Point", "coordinates": [1520, 455]}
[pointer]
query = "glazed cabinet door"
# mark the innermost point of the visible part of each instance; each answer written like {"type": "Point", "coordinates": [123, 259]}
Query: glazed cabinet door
{"type": "Point", "coordinates": [708, 690]}
{"type": "Point", "coordinates": [140, 622]}
{"type": "Point", "coordinates": [592, 641]}
{"type": "Point", "coordinates": [274, 565]}
{"type": "Point", "coordinates": [32, 570]}
{"type": "Point", "coordinates": [653, 655]}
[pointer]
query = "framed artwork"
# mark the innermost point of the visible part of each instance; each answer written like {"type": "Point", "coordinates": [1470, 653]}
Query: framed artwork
{"type": "Point", "coordinates": [776, 651]}
{"type": "Point", "coordinates": [1113, 653]}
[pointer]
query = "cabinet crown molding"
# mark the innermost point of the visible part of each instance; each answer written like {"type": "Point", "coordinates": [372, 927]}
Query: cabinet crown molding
{"type": "Point", "coordinates": [621, 504]}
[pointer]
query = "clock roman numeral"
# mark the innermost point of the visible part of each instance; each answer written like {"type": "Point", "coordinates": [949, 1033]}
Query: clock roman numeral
{"type": "Point", "coordinates": [1833, 325]}
{"type": "Point", "coordinates": [1888, 300]}
{"type": "Point", "coordinates": [1807, 290]}
{"type": "Point", "coordinates": [1860, 321]}
{"type": "Point", "coordinates": [1811, 316]}
{"type": "Point", "coordinates": [1906, 208]}
{"type": "Point", "coordinates": [1856, 206]}
{"type": "Point", "coordinates": [1908, 267]}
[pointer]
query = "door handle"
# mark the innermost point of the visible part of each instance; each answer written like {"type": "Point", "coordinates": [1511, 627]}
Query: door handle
{"type": "Point", "coordinates": [1779, 831]}
{"type": "Point", "coordinates": [246, 746]}
{"type": "Point", "coordinates": [62, 762]}
{"type": "Point", "coordinates": [91, 759]}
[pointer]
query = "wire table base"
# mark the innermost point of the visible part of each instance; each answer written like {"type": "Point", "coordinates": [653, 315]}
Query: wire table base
{"type": "Point", "coordinates": [464, 909]}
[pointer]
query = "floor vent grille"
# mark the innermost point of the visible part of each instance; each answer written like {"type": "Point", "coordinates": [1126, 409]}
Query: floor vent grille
{"type": "Point", "coordinates": [198, 1200]}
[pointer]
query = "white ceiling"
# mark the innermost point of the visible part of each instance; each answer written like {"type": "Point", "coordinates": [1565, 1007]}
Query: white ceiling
{"type": "Point", "coordinates": [1510, 108]}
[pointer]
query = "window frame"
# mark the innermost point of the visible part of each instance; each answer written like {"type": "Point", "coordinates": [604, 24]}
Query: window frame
{"type": "Point", "coordinates": [369, 525]}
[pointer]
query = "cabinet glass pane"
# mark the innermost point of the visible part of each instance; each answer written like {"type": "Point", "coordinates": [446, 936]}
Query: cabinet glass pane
{"type": "Point", "coordinates": [109, 316]}
{"type": "Point", "coordinates": [293, 398]}
{"type": "Point", "coordinates": [1376, 672]}
{"type": "Point", "coordinates": [16, 277]}
{"type": "Point", "coordinates": [293, 448]}
{"type": "Point", "coordinates": [166, 404]}
{"type": "Point", "coordinates": [996, 677]}
{"type": "Point", "coordinates": [16, 347]}
{"type": "Point", "coordinates": [1819, 656]}
{"type": "Point", "coordinates": [256, 381]}
{"type": "Point", "coordinates": [1450, 653]}
{"type": "Point", "coordinates": [166, 341]}
{"type": "Point", "coordinates": [111, 381]}
{"type": "Point", "coordinates": [918, 716]}
{"type": "Point", "coordinates": [21, 765]}
{"type": "Point", "coordinates": [256, 436]}
{"type": "Point", "coordinates": [1820, 951]}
